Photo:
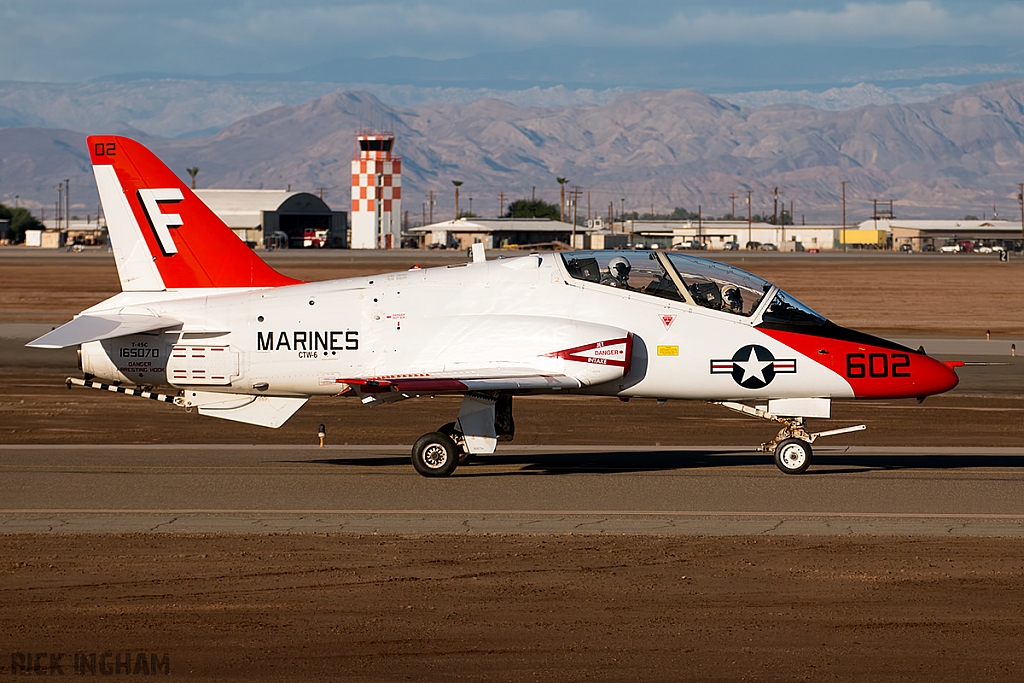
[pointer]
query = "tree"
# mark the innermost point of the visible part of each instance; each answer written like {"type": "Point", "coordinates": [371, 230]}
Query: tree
{"type": "Point", "coordinates": [457, 184]}
{"type": "Point", "coordinates": [21, 220]}
{"type": "Point", "coordinates": [193, 171]}
{"type": "Point", "coordinates": [970, 217]}
{"type": "Point", "coordinates": [561, 206]}
{"type": "Point", "coordinates": [532, 208]}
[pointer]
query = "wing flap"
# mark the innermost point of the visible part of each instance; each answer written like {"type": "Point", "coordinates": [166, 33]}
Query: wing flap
{"type": "Point", "coordinates": [94, 327]}
{"type": "Point", "coordinates": [441, 384]}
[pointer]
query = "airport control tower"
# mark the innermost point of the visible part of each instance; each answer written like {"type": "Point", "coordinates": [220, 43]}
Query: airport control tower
{"type": "Point", "coordinates": [376, 192]}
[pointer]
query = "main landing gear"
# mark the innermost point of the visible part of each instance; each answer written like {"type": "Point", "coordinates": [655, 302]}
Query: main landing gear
{"type": "Point", "coordinates": [484, 419]}
{"type": "Point", "coordinates": [792, 445]}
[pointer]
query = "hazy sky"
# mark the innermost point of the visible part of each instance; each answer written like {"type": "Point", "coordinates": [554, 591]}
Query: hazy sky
{"type": "Point", "coordinates": [71, 40]}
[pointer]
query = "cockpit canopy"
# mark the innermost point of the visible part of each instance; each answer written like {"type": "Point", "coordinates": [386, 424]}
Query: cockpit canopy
{"type": "Point", "coordinates": [690, 280]}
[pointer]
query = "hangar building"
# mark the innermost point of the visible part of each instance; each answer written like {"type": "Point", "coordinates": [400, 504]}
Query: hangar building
{"type": "Point", "coordinates": [278, 218]}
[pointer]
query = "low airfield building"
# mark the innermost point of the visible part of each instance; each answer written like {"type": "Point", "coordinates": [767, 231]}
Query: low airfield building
{"type": "Point", "coordinates": [719, 235]}
{"type": "Point", "coordinates": [926, 234]}
{"type": "Point", "coordinates": [498, 233]}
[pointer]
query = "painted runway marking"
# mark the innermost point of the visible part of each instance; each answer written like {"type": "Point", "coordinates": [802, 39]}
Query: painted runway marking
{"type": "Point", "coordinates": [544, 513]}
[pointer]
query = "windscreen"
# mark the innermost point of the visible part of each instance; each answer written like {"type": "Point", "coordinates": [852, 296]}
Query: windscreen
{"type": "Point", "coordinates": [720, 287]}
{"type": "Point", "coordinates": [786, 310]}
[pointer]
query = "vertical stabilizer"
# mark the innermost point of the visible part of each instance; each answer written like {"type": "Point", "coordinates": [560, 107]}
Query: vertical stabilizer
{"type": "Point", "coordinates": [163, 236]}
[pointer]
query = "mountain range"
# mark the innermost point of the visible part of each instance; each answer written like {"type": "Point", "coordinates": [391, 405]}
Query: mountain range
{"type": "Point", "coordinates": [641, 150]}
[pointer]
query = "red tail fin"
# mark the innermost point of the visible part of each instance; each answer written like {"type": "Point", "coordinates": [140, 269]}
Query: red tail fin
{"type": "Point", "coordinates": [164, 237]}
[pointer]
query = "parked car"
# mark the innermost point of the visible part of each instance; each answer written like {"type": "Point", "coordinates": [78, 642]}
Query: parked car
{"type": "Point", "coordinates": [731, 246]}
{"type": "Point", "coordinates": [983, 249]}
{"type": "Point", "coordinates": [767, 246]}
{"type": "Point", "coordinates": [950, 249]}
{"type": "Point", "coordinates": [928, 247]}
{"type": "Point", "coordinates": [998, 247]}
{"type": "Point", "coordinates": [906, 248]}
{"type": "Point", "coordinates": [753, 246]}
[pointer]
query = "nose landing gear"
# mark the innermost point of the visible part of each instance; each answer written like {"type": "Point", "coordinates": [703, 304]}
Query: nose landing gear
{"type": "Point", "coordinates": [792, 445]}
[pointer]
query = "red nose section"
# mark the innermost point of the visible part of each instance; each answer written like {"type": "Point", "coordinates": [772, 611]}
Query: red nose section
{"type": "Point", "coordinates": [873, 367]}
{"type": "Point", "coordinates": [937, 378]}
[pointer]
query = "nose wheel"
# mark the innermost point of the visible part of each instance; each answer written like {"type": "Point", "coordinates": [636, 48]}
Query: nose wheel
{"type": "Point", "coordinates": [793, 456]}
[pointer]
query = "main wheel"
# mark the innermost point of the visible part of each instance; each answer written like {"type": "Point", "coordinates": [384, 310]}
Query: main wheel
{"type": "Point", "coordinates": [435, 455]}
{"type": "Point", "coordinates": [793, 456]}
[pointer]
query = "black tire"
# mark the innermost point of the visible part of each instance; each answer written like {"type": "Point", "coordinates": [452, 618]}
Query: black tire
{"type": "Point", "coordinates": [793, 456]}
{"type": "Point", "coordinates": [435, 455]}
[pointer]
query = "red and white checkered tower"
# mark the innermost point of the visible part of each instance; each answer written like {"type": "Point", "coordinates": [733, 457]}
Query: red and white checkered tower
{"type": "Point", "coordinates": [376, 192]}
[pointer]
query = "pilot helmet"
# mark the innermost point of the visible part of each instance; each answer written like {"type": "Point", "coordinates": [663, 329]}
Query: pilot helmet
{"type": "Point", "coordinates": [619, 267]}
{"type": "Point", "coordinates": [732, 296]}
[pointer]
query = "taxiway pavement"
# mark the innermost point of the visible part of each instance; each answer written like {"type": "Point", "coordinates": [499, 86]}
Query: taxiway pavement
{"type": "Point", "coordinates": [538, 489]}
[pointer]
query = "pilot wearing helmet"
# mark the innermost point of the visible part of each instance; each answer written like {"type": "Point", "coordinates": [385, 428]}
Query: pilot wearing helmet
{"type": "Point", "coordinates": [618, 274]}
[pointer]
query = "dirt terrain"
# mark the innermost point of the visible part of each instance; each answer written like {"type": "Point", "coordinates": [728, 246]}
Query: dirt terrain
{"type": "Point", "coordinates": [521, 608]}
{"type": "Point", "coordinates": [516, 608]}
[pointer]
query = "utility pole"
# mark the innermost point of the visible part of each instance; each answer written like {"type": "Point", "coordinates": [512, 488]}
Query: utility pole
{"type": "Point", "coordinates": [457, 184]}
{"type": "Point", "coordinates": [732, 196]}
{"type": "Point", "coordinates": [588, 207]}
{"type": "Point", "coordinates": [844, 214]}
{"type": "Point", "coordinates": [749, 219]}
{"type": "Point", "coordinates": [501, 204]}
{"type": "Point", "coordinates": [423, 207]}
{"type": "Point", "coordinates": [1020, 198]}
{"type": "Point", "coordinates": [775, 211]}
{"type": "Point", "coordinates": [67, 203]}
{"type": "Point", "coordinates": [574, 197]}
{"type": "Point", "coordinates": [431, 202]}
{"type": "Point", "coordinates": [622, 213]}
{"type": "Point", "coordinates": [533, 193]}
{"type": "Point", "coordinates": [320, 192]}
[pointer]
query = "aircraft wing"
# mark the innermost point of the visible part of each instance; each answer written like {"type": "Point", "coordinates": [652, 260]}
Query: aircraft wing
{"type": "Point", "coordinates": [572, 368]}
{"type": "Point", "coordinates": [93, 327]}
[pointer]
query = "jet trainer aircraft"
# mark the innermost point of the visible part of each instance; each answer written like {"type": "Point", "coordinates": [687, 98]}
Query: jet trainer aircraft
{"type": "Point", "coordinates": [203, 314]}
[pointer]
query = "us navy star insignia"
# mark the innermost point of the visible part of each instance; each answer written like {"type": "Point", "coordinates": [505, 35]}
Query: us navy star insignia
{"type": "Point", "coordinates": [753, 366]}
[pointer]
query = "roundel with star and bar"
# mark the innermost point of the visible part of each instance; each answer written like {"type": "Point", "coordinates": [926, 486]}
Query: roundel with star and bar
{"type": "Point", "coordinates": [753, 366]}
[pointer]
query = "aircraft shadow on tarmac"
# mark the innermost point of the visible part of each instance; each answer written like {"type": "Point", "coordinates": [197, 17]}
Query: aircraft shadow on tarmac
{"type": "Point", "coordinates": [654, 461]}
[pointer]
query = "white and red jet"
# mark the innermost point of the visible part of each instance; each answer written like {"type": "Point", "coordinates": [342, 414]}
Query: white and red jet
{"type": "Point", "coordinates": [201, 313]}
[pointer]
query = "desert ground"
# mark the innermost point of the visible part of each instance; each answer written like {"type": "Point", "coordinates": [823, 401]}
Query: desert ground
{"type": "Point", "coordinates": [475, 606]}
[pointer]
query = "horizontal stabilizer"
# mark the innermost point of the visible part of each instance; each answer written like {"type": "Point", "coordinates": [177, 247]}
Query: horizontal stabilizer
{"type": "Point", "coordinates": [87, 328]}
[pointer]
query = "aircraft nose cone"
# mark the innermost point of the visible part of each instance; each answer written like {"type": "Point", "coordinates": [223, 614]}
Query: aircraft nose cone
{"type": "Point", "coordinates": [937, 377]}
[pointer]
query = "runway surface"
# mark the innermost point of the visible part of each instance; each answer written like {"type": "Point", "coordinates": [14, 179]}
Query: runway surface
{"type": "Point", "coordinates": [539, 489]}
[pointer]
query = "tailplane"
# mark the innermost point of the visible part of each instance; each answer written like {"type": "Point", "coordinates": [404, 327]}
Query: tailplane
{"type": "Point", "coordinates": [163, 236]}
